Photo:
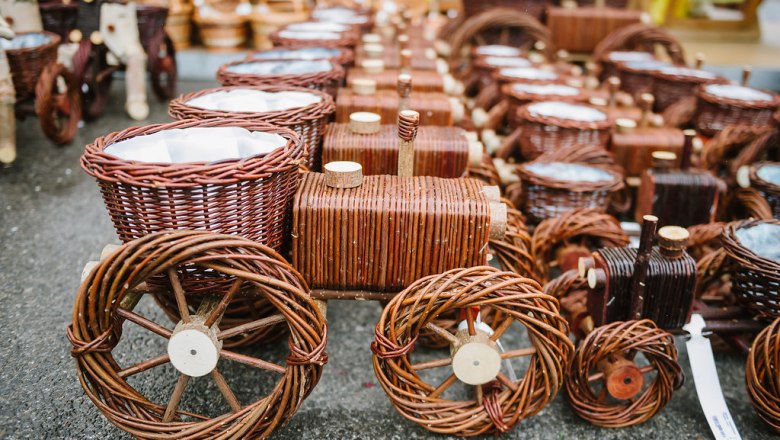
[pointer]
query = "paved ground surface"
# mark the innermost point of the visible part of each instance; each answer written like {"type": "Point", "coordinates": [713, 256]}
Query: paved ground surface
{"type": "Point", "coordinates": [52, 221]}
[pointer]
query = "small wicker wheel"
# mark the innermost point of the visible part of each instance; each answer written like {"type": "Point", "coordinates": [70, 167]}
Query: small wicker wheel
{"type": "Point", "coordinates": [499, 402]}
{"type": "Point", "coordinates": [763, 360]}
{"type": "Point", "coordinates": [162, 66]}
{"type": "Point", "coordinates": [105, 302]}
{"type": "Point", "coordinates": [604, 356]}
{"type": "Point", "coordinates": [58, 103]}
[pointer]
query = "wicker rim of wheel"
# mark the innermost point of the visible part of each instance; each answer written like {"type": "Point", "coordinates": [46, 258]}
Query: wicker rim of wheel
{"type": "Point", "coordinates": [59, 111]}
{"type": "Point", "coordinates": [104, 303]}
{"type": "Point", "coordinates": [620, 338]}
{"type": "Point", "coordinates": [499, 403]}
{"type": "Point", "coordinates": [762, 385]}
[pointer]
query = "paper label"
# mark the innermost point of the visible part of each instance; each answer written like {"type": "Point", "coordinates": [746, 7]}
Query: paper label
{"type": "Point", "coordinates": [705, 376]}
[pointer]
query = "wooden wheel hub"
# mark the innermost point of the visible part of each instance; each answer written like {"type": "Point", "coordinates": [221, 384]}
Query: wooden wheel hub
{"type": "Point", "coordinates": [194, 348]}
{"type": "Point", "coordinates": [475, 359]}
{"type": "Point", "coordinates": [623, 378]}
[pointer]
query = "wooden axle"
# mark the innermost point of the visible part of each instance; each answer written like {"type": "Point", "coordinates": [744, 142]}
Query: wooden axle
{"type": "Point", "coordinates": [622, 377]}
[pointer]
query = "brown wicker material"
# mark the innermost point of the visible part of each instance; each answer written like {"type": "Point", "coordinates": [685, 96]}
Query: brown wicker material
{"type": "Point", "coordinates": [679, 197]}
{"type": "Point", "coordinates": [675, 83]}
{"type": "Point", "coordinates": [147, 197]}
{"type": "Point", "coordinates": [500, 404]}
{"type": "Point", "coordinates": [59, 111]}
{"type": "Point", "coordinates": [715, 113]}
{"type": "Point", "coordinates": [572, 232]}
{"type": "Point", "coordinates": [619, 339]}
{"type": "Point", "coordinates": [309, 121]}
{"type": "Point", "coordinates": [514, 250]}
{"type": "Point", "coordinates": [59, 18]}
{"type": "Point", "coordinates": [756, 281]}
{"type": "Point", "coordinates": [534, 8]}
{"type": "Point", "coordinates": [520, 94]}
{"type": "Point", "coordinates": [633, 149]}
{"type": "Point", "coordinates": [422, 80]}
{"type": "Point", "coordinates": [438, 151]}
{"type": "Point", "coordinates": [638, 77]}
{"type": "Point", "coordinates": [542, 134]}
{"type": "Point", "coordinates": [580, 29]}
{"type": "Point", "coordinates": [768, 188]}
{"type": "Point", "coordinates": [339, 55]}
{"type": "Point", "coordinates": [345, 39]}
{"type": "Point", "coordinates": [511, 75]}
{"type": "Point", "coordinates": [762, 385]}
{"type": "Point", "coordinates": [326, 81]}
{"type": "Point", "coordinates": [103, 309]}
{"type": "Point", "coordinates": [388, 232]}
{"type": "Point", "coordinates": [26, 64]}
{"type": "Point", "coordinates": [638, 37]}
{"type": "Point", "coordinates": [434, 108]}
{"type": "Point", "coordinates": [547, 197]}
{"type": "Point", "coordinates": [734, 146]}
{"type": "Point", "coordinates": [484, 66]}
{"type": "Point", "coordinates": [610, 60]}
{"type": "Point", "coordinates": [486, 171]}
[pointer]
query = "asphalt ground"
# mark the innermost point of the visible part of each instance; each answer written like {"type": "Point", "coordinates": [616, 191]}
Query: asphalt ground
{"type": "Point", "coordinates": [52, 221]}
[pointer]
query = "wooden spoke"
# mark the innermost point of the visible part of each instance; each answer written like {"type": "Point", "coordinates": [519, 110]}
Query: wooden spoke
{"type": "Point", "coordinates": [178, 292]}
{"type": "Point", "coordinates": [518, 353]}
{"type": "Point", "coordinates": [224, 388]}
{"type": "Point", "coordinates": [432, 364]}
{"type": "Point", "coordinates": [470, 322]}
{"type": "Point", "coordinates": [173, 404]}
{"type": "Point", "coordinates": [500, 330]}
{"type": "Point", "coordinates": [442, 332]}
{"type": "Point", "coordinates": [478, 392]}
{"type": "Point", "coordinates": [143, 322]}
{"type": "Point", "coordinates": [216, 315]}
{"type": "Point", "coordinates": [145, 365]}
{"type": "Point", "coordinates": [443, 386]}
{"type": "Point", "coordinates": [252, 361]}
{"type": "Point", "coordinates": [250, 326]}
{"type": "Point", "coordinates": [506, 381]}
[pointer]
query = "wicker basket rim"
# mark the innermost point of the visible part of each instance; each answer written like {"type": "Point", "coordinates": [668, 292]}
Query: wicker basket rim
{"type": "Point", "coordinates": [565, 123]}
{"type": "Point", "coordinates": [103, 166]}
{"type": "Point", "coordinates": [749, 259]}
{"type": "Point", "coordinates": [222, 71]}
{"type": "Point", "coordinates": [774, 103]}
{"type": "Point", "coordinates": [509, 90]}
{"type": "Point", "coordinates": [53, 41]}
{"type": "Point", "coordinates": [289, 116]}
{"type": "Point", "coordinates": [574, 186]}
{"type": "Point", "coordinates": [755, 178]}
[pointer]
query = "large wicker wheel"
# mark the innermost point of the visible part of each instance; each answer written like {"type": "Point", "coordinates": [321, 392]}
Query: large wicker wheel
{"type": "Point", "coordinates": [763, 387]}
{"type": "Point", "coordinates": [104, 306]}
{"type": "Point", "coordinates": [162, 66]}
{"type": "Point", "coordinates": [498, 402]}
{"type": "Point", "coordinates": [58, 103]}
{"type": "Point", "coordinates": [605, 386]}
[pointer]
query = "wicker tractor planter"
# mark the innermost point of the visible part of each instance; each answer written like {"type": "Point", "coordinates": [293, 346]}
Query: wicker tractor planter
{"type": "Point", "coordinates": [43, 86]}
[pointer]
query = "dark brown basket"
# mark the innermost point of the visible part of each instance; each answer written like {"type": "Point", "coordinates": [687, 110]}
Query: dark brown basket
{"type": "Point", "coordinates": [757, 278]}
{"type": "Point", "coordinates": [422, 80]}
{"type": "Point", "coordinates": [26, 64]}
{"type": "Point", "coordinates": [675, 83]}
{"type": "Point", "coordinates": [609, 62]}
{"type": "Point", "coordinates": [250, 197]}
{"type": "Point", "coordinates": [541, 134]}
{"type": "Point", "coordinates": [346, 39]}
{"type": "Point", "coordinates": [715, 113]}
{"type": "Point", "coordinates": [326, 81]}
{"type": "Point", "coordinates": [506, 76]}
{"type": "Point", "coordinates": [151, 22]}
{"type": "Point", "coordinates": [638, 77]}
{"type": "Point", "coordinates": [342, 56]}
{"type": "Point", "coordinates": [438, 151]}
{"type": "Point", "coordinates": [546, 197]}
{"type": "Point", "coordinates": [769, 190]}
{"type": "Point", "coordinates": [535, 8]}
{"type": "Point", "coordinates": [59, 18]}
{"type": "Point", "coordinates": [309, 121]}
{"type": "Point", "coordinates": [483, 69]}
{"type": "Point", "coordinates": [519, 94]}
{"type": "Point", "coordinates": [434, 108]}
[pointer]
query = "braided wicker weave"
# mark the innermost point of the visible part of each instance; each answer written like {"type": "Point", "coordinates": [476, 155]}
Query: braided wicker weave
{"type": "Point", "coordinates": [326, 81]}
{"type": "Point", "coordinates": [714, 113]}
{"type": "Point", "coordinates": [679, 197]}
{"type": "Point", "coordinates": [673, 84]}
{"type": "Point", "coordinates": [309, 121]}
{"type": "Point", "coordinates": [438, 151]}
{"type": "Point", "coordinates": [501, 403]}
{"type": "Point", "coordinates": [434, 108]}
{"type": "Point", "coordinates": [103, 306]}
{"type": "Point", "coordinates": [762, 385]}
{"type": "Point", "coordinates": [250, 197]}
{"type": "Point", "coordinates": [541, 134]}
{"type": "Point", "coordinates": [27, 63]}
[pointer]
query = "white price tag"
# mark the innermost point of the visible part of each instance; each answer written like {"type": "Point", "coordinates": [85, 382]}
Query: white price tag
{"type": "Point", "coordinates": [705, 376]}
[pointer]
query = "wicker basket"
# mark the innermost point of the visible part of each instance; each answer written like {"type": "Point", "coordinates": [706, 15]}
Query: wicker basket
{"type": "Point", "coordinates": [637, 77]}
{"type": "Point", "coordinates": [323, 78]}
{"type": "Point", "coordinates": [309, 121]}
{"type": "Point", "coordinates": [339, 55]}
{"type": "Point", "coordinates": [291, 38]}
{"type": "Point", "coordinates": [527, 75]}
{"type": "Point", "coordinates": [266, 20]}
{"type": "Point", "coordinates": [59, 18]}
{"type": "Point", "coordinates": [551, 188]}
{"type": "Point", "coordinates": [520, 94]}
{"type": "Point", "coordinates": [579, 30]}
{"type": "Point", "coordinates": [671, 84]}
{"type": "Point", "coordinates": [434, 108]}
{"type": "Point", "coordinates": [27, 63]}
{"type": "Point", "coordinates": [422, 80]}
{"type": "Point", "coordinates": [360, 18]}
{"type": "Point", "coordinates": [535, 8]}
{"type": "Point", "coordinates": [609, 62]}
{"type": "Point", "coordinates": [541, 132]}
{"type": "Point", "coordinates": [221, 30]}
{"type": "Point", "coordinates": [178, 26]}
{"type": "Point", "coordinates": [484, 67]}
{"type": "Point", "coordinates": [438, 151]}
{"type": "Point", "coordinates": [714, 113]}
{"type": "Point", "coordinates": [765, 177]}
{"type": "Point", "coordinates": [757, 278]}
{"type": "Point", "coordinates": [250, 197]}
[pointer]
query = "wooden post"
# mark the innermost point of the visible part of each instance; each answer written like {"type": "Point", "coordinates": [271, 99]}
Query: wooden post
{"type": "Point", "coordinates": [343, 174]}
{"type": "Point", "coordinates": [699, 61]}
{"type": "Point", "coordinates": [363, 86]}
{"type": "Point", "coordinates": [364, 122]}
{"type": "Point", "coordinates": [646, 101]}
{"type": "Point", "coordinates": [639, 278]}
{"type": "Point", "coordinates": [7, 114]}
{"type": "Point", "coordinates": [685, 160]}
{"type": "Point", "coordinates": [404, 88]}
{"type": "Point", "coordinates": [746, 71]}
{"type": "Point", "coordinates": [408, 121]}
{"type": "Point", "coordinates": [672, 241]}
{"type": "Point", "coordinates": [406, 61]}
{"type": "Point", "coordinates": [614, 85]}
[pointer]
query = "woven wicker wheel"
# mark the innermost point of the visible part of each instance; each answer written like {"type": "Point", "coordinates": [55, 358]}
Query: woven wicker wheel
{"type": "Point", "coordinates": [572, 291]}
{"type": "Point", "coordinates": [762, 385]}
{"type": "Point", "coordinates": [499, 402]}
{"type": "Point", "coordinates": [610, 345]}
{"type": "Point", "coordinates": [96, 330]}
{"type": "Point", "coordinates": [57, 103]}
